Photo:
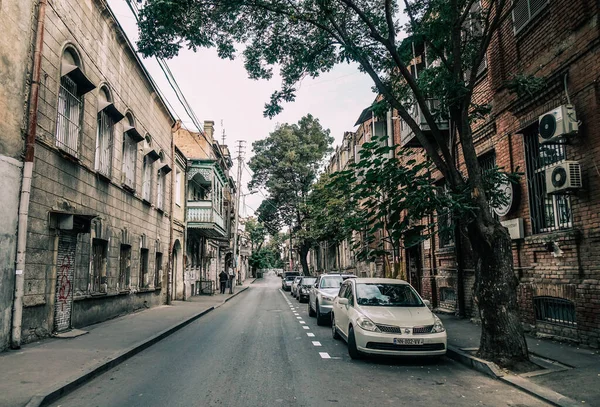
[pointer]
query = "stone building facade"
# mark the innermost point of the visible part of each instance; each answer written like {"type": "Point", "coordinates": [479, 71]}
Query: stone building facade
{"type": "Point", "coordinates": [209, 209]}
{"type": "Point", "coordinates": [183, 285]}
{"type": "Point", "coordinates": [555, 235]}
{"type": "Point", "coordinates": [99, 216]}
{"type": "Point", "coordinates": [16, 48]}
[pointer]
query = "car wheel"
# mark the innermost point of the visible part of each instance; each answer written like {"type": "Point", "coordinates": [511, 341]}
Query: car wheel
{"type": "Point", "coordinates": [311, 313]}
{"type": "Point", "coordinates": [352, 350]}
{"type": "Point", "coordinates": [321, 319]}
{"type": "Point", "coordinates": [334, 332]}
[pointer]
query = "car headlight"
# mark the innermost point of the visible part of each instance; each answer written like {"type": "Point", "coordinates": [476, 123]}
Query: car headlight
{"type": "Point", "coordinates": [327, 298]}
{"type": "Point", "coordinates": [437, 325]}
{"type": "Point", "coordinates": [366, 324]}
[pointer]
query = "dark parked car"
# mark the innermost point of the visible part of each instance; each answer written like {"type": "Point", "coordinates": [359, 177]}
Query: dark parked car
{"type": "Point", "coordinates": [304, 288]}
{"type": "Point", "coordinates": [286, 283]}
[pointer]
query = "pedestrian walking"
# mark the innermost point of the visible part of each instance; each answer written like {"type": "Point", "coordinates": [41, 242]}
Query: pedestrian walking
{"type": "Point", "coordinates": [231, 280]}
{"type": "Point", "coordinates": [223, 280]}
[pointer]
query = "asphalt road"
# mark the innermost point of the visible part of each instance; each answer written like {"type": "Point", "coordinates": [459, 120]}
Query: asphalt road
{"type": "Point", "coordinates": [255, 351]}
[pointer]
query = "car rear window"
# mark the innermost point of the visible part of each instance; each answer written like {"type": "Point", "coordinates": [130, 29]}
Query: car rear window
{"type": "Point", "coordinates": [331, 282]}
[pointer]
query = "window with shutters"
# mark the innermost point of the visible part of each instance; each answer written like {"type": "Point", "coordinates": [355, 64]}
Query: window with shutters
{"type": "Point", "coordinates": [548, 212]}
{"type": "Point", "coordinates": [143, 274]}
{"type": "Point", "coordinates": [525, 11]}
{"type": "Point", "coordinates": [158, 270]}
{"type": "Point", "coordinates": [104, 135]}
{"type": "Point", "coordinates": [147, 179]}
{"type": "Point", "coordinates": [129, 151]}
{"type": "Point", "coordinates": [73, 86]}
{"type": "Point", "coordinates": [160, 190]}
{"type": "Point", "coordinates": [178, 187]}
{"type": "Point", "coordinates": [99, 256]}
{"type": "Point", "coordinates": [125, 267]}
{"type": "Point", "coordinates": [68, 121]}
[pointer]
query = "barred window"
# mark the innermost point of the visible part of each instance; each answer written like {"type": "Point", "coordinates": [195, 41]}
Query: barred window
{"type": "Point", "coordinates": [99, 258]}
{"type": "Point", "coordinates": [147, 179]}
{"type": "Point", "coordinates": [129, 152]}
{"type": "Point", "coordinates": [525, 11]}
{"type": "Point", "coordinates": [143, 274]}
{"type": "Point", "coordinates": [73, 85]}
{"type": "Point", "coordinates": [104, 143]}
{"type": "Point", "coordinates": [158, 269]}
{"type": "Point", "coordinates": [552, 310]}
{"type": "Point", "coordinates": [125, 266]}
{"type": "Point", "coordinates": [68, 121]}
{"type": "Point", "coordinates": [160, 190]}
{"type": "Point", "coordinates": [548, 212]}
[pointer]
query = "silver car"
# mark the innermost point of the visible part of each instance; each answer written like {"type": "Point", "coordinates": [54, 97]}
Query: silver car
{"type": "Point", "coordinates": [294, 289]}
{"type": "Point", "coordinates": [320, 300]}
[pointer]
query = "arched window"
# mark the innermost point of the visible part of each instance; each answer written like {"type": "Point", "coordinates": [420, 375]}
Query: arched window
{"type": "Point", "coordinates": [108, 115]}
{"type": "Point", "coordinates": [73, 85]}
{"type": "Point", "coordinates": [150, 155]}
{"type": "Point", "coordinates": [128, 163]}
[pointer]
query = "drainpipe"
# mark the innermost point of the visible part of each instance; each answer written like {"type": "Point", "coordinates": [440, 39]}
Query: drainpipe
{"type": "Point", "coordinates": [170, 272]}
{"type": "Point", "coordinates": [17, 312]}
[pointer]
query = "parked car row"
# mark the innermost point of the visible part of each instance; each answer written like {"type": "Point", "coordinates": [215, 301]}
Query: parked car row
{"type": "Point", "coordinates": [373, 315]}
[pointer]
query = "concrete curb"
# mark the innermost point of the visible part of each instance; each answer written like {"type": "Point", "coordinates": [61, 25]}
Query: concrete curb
{"type": "Point", "coordinates": [521, 383]}
{"type": "Point", "coordinates": [88, 374]}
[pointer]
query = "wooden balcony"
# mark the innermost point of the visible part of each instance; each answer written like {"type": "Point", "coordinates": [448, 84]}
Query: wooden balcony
{"type": "Point", "coordinates": [204, 218]}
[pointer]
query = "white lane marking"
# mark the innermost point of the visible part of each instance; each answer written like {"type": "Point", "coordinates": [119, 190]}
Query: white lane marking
{"type": "Point", "coordinates": [302, 322]}
{"type": "Point", "coordinates": [306, 327]}
{"type": "Point", "coordinates": [299, 318]}
{"type": "Point", "coordinates": [296, 314]}
{"type": "Point", "coordinates": [310, 334]}
{"type": "Point", "coordinates": [316, 343]}
{"type": "Point", "coordinates": [324, 355]}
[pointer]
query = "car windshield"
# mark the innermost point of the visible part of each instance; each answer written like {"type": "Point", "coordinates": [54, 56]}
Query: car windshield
{"type": "Point", "coordinates": [387, 295]}
{"type": "Point", "coordinates": [331, 282]}
{"type": "Point", "coordinates": [290, 278]}
{"type": "Point", "coordinates": [308, 281]}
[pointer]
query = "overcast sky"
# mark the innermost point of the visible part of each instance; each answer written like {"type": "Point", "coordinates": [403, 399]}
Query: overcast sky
{"type": "Point", "coordinates": [220, 90]}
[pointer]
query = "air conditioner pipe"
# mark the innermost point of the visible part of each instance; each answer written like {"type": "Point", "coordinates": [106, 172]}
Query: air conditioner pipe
{"type": "Point", "coordinates": [17, 311]}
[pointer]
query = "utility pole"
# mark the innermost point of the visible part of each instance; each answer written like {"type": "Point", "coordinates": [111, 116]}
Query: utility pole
{"type": "Point", "coordinates": [240, 146]}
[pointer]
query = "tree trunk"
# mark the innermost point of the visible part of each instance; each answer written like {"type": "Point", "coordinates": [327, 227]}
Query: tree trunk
{"type": "Point", "coordinates": [502, 337]}
{"type": "Point", "coordinates": [303, 252]}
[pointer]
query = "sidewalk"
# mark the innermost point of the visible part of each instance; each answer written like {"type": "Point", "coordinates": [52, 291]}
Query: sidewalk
{"type": "Point", "coordinates": [41, 371]}
{"type": "Point", "coordinates": [576, 375]}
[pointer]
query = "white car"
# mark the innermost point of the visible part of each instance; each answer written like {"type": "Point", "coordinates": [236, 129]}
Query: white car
{"type": "Point", "coordinates": [321, 295]}
{"type": "Point", "coordinates": [386, 317]}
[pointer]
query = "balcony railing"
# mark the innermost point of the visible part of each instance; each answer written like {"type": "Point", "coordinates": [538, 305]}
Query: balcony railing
{"type": "Point", "coordinates": [407, 136]}
{"type": "Point", "coordinates": [202, 215]}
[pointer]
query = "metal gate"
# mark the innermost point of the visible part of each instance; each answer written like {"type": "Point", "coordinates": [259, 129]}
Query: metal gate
{"type": "Point", "coordinates": [64, 281]}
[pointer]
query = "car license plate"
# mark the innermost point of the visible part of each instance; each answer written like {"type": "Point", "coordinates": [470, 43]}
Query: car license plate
{"type": "Point", "coordinates": [408, 341]}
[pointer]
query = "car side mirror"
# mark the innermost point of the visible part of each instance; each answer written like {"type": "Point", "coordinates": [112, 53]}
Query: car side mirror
{"type": "Point", "coordinates": [343, 301]}
{"type": "Point", "coordinates": [426, 302]}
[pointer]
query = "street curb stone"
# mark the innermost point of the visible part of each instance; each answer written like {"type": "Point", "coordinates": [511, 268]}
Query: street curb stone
{"type": "Point", "coordinates": [521, 383]}
{"type": "Point", "coordinates": [88, 374]}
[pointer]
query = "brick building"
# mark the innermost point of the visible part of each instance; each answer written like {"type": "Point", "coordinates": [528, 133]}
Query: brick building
{"type": "Point", "coordinates": [99, 216]}
{"type": "Point", "coordinates": [555, 229]}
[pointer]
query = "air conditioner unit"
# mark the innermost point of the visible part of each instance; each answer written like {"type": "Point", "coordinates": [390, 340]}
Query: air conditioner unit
{"type": "Point", "coordinates": [563, 177]}
{"type": "Point", "coordinates": [557, 123]}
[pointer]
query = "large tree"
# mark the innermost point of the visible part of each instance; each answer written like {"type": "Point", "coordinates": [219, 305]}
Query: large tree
{"type": "Point", "coordinates": [286, 164]}
{"type": "Point", "coordinates": [309, 37]}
